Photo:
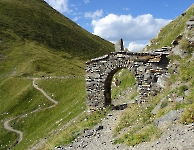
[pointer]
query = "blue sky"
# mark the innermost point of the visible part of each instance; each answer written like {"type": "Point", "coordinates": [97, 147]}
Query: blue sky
{"type": "Point", "coordinates": [136, 21]}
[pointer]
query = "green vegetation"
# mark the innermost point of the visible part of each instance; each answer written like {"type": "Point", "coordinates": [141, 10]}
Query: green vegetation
{"type": "Point", "coordinates": [29, 59]}
{"type": "Point", "coordinates": [139, 135]}
{"type": "Point", "coordinates": [184, 44]}
{"type": "Point", "coordinates": [186, 70]}
{"type": "Point", "coordinates": [38, 41]}
{"type": "Point", "coordinates": [188, 116]}
{"type": "Point", "coordinates": [36, 21]}
{"type": "Point", "coordinates": [18, 97]}
{"type": "Point", "coordinates": [40, 124]}
{"type": "Point", "coordinates": [126, 80]}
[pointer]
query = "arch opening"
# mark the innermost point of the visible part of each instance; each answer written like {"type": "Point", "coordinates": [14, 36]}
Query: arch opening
{"type": "Point", "coordinates": [118, 83]}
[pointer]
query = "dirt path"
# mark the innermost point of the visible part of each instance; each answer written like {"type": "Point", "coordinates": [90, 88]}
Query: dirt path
{"type": "Point", "coordinates": [100, 137]}
{"type": "Point", "coordinates": [9, 128]}
{"type": "Point", "coordinates": [175, 137]}
{"type": "Point", "coordinates": [20, 133]}
{"type": "Point", "coordinates": [48, 97]}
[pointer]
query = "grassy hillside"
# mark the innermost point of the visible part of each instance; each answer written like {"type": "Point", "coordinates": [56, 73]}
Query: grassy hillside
{"type": "Point", "coordinates": [71, 102]}
{"type": "Point", "coordinates": [37, 41]}
{"type": "Point", "coordinates": [36, 21]}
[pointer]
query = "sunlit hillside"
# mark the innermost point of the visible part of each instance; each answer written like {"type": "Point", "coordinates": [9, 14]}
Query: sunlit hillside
{"type": "Point", "coordinates": [36, 41]}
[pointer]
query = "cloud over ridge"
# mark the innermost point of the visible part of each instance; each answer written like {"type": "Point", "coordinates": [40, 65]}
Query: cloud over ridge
{"type": "Point", "coordinates": [143, 27]}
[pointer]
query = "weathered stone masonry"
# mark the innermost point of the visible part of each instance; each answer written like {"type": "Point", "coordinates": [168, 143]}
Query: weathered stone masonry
{"type": "Point", "coordinates": [147, 67]}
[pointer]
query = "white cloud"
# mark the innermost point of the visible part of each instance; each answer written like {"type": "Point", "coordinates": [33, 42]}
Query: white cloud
{"type": "Point", "coordinates": [86, 1]}
{"type": "Point", "coordinates": [94, 15]}
{"type": "Point", "coordinates": [113, 27]}
{"type": "Point", "coordinates": [135, 47]}
{"type": "Point", "coordinates": [127, 9]}
{"type": "Point", "coordinates": [59, 5]}
{"type": "Point", "coordinates": [76, 19]}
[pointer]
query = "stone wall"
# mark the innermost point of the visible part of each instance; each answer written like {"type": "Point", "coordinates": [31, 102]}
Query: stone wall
{"type": "Point", "coordinates": [149, 68]}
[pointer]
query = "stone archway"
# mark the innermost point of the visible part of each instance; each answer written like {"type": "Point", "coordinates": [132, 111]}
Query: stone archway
{"type": "Point", "coordinates": [99, 72]}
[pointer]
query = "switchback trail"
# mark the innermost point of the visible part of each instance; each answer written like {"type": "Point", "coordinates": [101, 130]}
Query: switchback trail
{"type": "Point", "coordinates": [43, 92]}
{"type": "Point", "coordinates": [9, 128]}
{"type": "Point", "coordinates": [20, 133]}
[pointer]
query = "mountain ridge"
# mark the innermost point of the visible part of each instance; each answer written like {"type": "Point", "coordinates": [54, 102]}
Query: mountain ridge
{"type": "Point", "coordinates": [39, 22]}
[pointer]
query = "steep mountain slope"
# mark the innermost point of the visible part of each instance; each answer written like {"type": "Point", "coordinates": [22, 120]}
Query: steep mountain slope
{"type": "Point", "coordinates": [174, 105]}
{"type": "Point", "coordinates": [36, 41]}
{"type": "Point", "coordinates": [36, 21]}
{"type": "Point", "coordinates": [33, 29]}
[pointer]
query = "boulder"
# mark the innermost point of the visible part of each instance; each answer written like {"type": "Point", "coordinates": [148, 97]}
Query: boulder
{"type": "Point", "coordinates": [164, 121]}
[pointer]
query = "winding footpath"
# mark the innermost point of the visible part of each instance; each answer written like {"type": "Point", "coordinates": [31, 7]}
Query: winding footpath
{"type": "Point", "coordinates": [48, 97]}
{"type": "Point", "coordinates": [20, 133]}
{"type": "Point", "coordinates": [9, 128]}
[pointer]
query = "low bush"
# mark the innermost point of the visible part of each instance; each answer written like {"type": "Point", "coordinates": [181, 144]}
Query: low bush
{"type": "Point", "coordinates": [188, 116]}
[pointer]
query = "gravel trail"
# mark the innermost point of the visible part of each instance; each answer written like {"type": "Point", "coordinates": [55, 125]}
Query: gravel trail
{"type": "Point", "coordinates": [100, 137]}
{"type": "Point", "coordinates": [43, 92]}
{"type": "Point", "coordinates": [9, 128]}
{"type": "Point", "coordinates": [175, 137]}
{"type": "Point", "coordinates": [20, 133]}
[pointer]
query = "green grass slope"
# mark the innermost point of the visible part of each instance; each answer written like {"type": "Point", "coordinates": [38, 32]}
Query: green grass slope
{"type": "Point", "coordinates": [36, 41]}
{"type": "Point", "coordinates": [36, 21]}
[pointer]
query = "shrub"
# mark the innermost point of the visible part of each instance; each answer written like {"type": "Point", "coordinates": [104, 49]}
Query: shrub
{"type": "Point", "coordinates": [185, 45]}
{"type": "Point", "coordinates": [164, 104]}
{"type": "Point", "coordinates": [188, 116]}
